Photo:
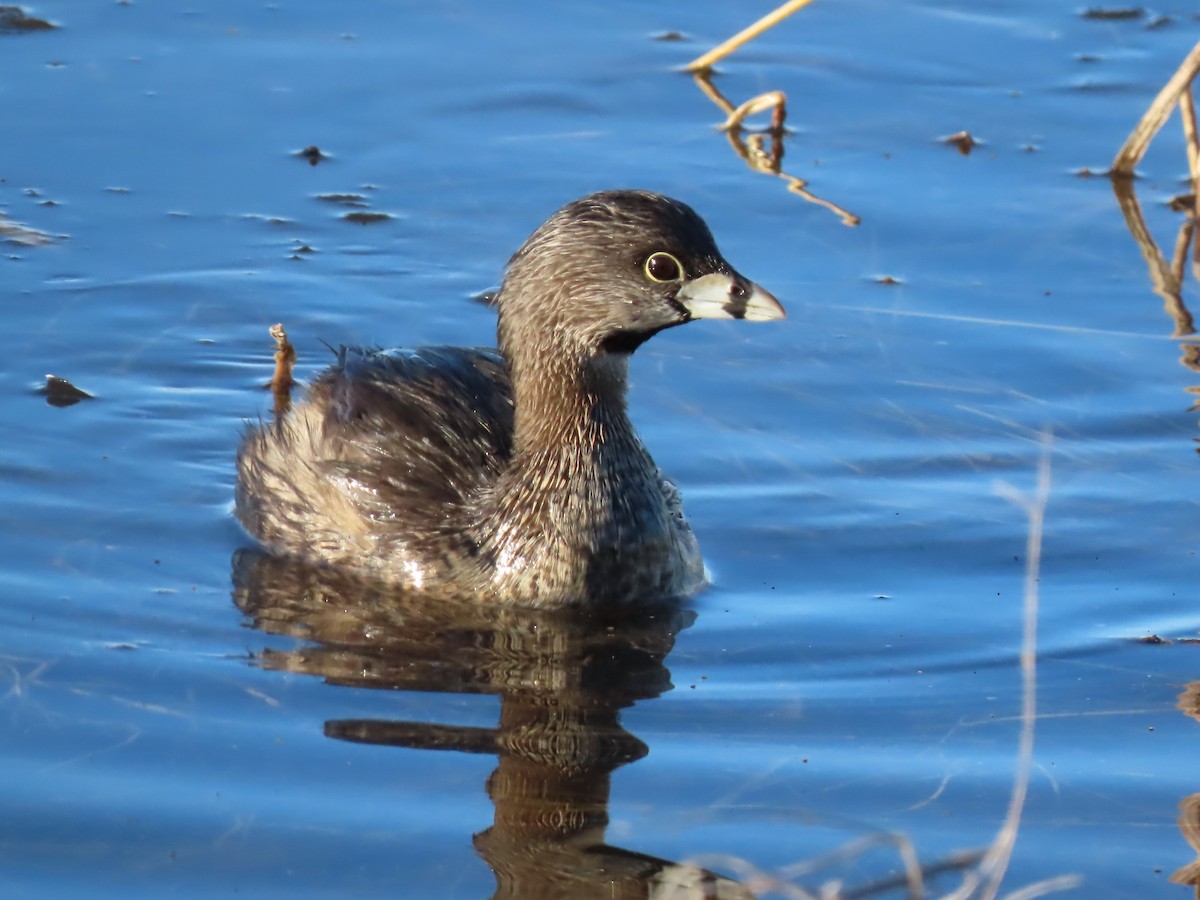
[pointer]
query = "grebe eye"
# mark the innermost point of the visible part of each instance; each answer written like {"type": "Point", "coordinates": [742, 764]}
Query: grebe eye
{"type": "Point", "coordinates": [663, 268]}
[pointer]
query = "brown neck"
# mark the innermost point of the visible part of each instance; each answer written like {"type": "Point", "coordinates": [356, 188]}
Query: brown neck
{"type": "Point", "coordinates": [569, 405]}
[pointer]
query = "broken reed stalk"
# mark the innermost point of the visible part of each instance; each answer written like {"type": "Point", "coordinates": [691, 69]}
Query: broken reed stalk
{"type": "Point", "coordinates": [1187, 112]}
{"type": "Point", "coordinates": [770, 20]}
{"type": "Point", "coordinates": [751, 151]}
{"type": "Point", "coordinates": [776, 101]}
{"type": "Point", "coordinates": [1135, 145]}
{"type": "Point", "coordinates": [285, 362]}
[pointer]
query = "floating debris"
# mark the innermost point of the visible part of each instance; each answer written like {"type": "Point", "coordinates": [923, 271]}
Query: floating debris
{"type": "Point", "coordinates": [14, 20]}
{"type": "Point", "coordinates": [963, 141]}
{"type": "Point", "coordinates": [367, 218]}
{"type": "Point", "coordinates": [1182, 203]}
{"type": "Point", "coordinates": [60, 392]}
{"type": "Point", "coordinates": [313, 154]}
{"type": "Point", "coordinates": [1114, 15]}
{"type": "Point", "coordinates": [670, 36]}
{"type": "Point", "coordinates": [269, 220]}
{"type": "Point", "coordinates": [16, 233]}
{"type": "Point", "coordinates": [343, 199]}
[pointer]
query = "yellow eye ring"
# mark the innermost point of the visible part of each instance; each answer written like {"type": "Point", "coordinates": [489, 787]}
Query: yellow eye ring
{"type": "Point", "coordinates": [663, 268]}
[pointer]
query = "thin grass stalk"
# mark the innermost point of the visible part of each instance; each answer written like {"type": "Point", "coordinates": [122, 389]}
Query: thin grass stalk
{"type": "Point", "coordinates": [995, 864]}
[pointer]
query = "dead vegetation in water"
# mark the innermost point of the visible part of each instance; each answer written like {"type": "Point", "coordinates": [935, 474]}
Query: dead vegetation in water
{"type": "Point", "coordinates": [962, 141]}
{"type": "Point", "coordinates": [282, 380]}
{"type": "Point", "coordinates": [761, 150]}
{"type": "Point", "coordinates": [980, 872]}
{"type": "Point", "coordinates": [14, 20]}
{"type": "Point", "coordinates": [1168, 277]}
{"type": "Point", "coordinates": [1177, 92]}
{"type": "Point", "coordinates": [62, 393]}
{"type": "Point", "coordinates": [23, 235]}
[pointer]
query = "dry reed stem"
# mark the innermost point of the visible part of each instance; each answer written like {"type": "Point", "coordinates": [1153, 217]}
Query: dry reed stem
{"type": "Point", "coordinates": [285, 362]}
{"type": "Point", "coordinates": [706, 87]}
{"type": "Point", "coordinates": [770, 20]}
{"type": "Point", "coordinates": [751, 150]}
{"type": "Point", "coordinates": [773, 100]}
{"type": "Point", "coordinates": [799, 186]}
{"type": "Point", "coordinates": [1156, 114]}
{"type": "Point", "coordinates": [1187, 112]}
{"type": "Point", "coordinates": [753, 155]}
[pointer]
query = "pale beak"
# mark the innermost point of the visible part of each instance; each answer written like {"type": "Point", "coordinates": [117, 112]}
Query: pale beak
{"type": "Point", "coordinates": [728, 296]}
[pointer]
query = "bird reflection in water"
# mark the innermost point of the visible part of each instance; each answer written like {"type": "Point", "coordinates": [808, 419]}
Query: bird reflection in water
{"type": "Point", "coordinates": [562, 678]}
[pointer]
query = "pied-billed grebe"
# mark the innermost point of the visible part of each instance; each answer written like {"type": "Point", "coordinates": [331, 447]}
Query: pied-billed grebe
{"type": "Point", "coordinates": [515, 475]}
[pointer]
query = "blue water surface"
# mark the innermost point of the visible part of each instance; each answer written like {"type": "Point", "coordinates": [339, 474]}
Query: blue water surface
{"type": "Point", "coordinates": [183, 723]}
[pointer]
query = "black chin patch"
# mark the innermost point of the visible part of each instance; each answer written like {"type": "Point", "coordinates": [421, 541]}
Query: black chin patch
{"type": "Point", "coordinates": [626, 341]}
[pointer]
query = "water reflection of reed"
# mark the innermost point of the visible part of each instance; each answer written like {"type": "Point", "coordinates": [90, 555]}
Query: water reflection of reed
{"type": "Point", "coordinates": [752, 148]}
{"type": "Point", "coordinates": [562, 679]}
{"type": "Point", "coordinates": [1189, 807]}
{"type": "Point", "coordinates": [1167, 278]}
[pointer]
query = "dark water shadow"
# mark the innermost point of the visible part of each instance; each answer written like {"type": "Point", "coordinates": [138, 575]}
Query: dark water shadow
{"type": "Point", "coordinates": [562, 679]}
